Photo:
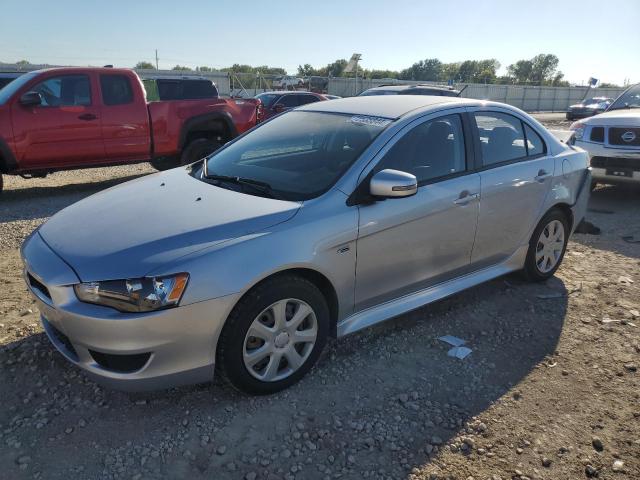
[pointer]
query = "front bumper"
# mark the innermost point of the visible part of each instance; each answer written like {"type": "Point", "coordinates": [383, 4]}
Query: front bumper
{"type": "Point", "coordinates": [125, 351]}
{"type": "Point", "coordinates": [612, 165]}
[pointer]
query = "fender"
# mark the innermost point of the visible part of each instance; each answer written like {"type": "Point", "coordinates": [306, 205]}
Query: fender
{"type": "Point", "coordinates": [194, 124]}
{"type": "Point", "coordinates": [8, 162]}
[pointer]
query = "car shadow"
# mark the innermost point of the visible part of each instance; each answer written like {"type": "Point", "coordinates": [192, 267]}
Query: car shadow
{"type": "Point", "coordinates": [614, 210]}
{"type": "Point", "coordinates": [386, 399]}
{"type": "Point", "coordinates": [23, 204]}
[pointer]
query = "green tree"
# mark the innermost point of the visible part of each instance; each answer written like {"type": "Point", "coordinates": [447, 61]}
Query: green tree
{"type": "Point", "coordinates": [540, 70]}
{"type": "Point", "coordinates": [181, 67]}
{"type": "Point", "coordinates": [144, 66]}
{"type": "Point", "coordinates": [427, 70]}
{"type": "Point", "coordinates": [204, 69]}
{"type": "Point", "coordinates": [23, 63]}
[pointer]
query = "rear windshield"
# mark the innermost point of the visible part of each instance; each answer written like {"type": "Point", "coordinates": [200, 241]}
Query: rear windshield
{"type": "Point", "coordinates": [180, 89]}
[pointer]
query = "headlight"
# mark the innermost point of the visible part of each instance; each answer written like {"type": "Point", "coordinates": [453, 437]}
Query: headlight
{"type": "Point", "coordinates": [135, 295]}
{"type": "Point", "coordinates": [578, 129]}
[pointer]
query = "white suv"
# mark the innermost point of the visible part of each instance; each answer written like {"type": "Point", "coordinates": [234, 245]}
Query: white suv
{"type": "Point", "coordinates": [613, 139]}
{"type": "Point", "coordinates": [287, 82]}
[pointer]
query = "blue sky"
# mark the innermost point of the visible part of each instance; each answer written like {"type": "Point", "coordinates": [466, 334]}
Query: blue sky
{"type": "Point", "coordinates": [591, 38]}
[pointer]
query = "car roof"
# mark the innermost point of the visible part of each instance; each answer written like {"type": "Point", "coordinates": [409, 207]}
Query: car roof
{"type": "Point", "coordinates": [389, 106]}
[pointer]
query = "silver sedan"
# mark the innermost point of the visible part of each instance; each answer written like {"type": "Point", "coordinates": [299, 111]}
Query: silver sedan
{"type": "Point", "coordinates": [322, 221]}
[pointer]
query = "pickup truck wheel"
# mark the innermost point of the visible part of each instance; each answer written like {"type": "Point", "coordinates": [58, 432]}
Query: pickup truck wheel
{"type": "Point", "coordinates": [197, 149]}
{"type": "Point", "coordinates": [164, 163]}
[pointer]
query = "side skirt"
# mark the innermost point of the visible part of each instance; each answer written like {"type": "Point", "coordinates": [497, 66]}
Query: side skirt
{"type": "Point", "coordinates": [412, 301]}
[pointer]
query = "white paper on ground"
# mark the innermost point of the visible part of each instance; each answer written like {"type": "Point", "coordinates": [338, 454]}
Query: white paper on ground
{"type": "Point", "coordinates": [451, 340]}
{"type": "Point", "coordinates": [459, 352]}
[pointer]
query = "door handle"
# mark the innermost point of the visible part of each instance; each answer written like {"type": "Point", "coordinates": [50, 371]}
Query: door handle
{"type": "Point", "coordinates": [465, 198]}
{"type": "Point", "coordinates": [542, 175]}
{"type": "Point", "coordinates": [87, 116]}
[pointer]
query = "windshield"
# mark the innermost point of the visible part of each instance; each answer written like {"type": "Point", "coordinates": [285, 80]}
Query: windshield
{"type": "Point", "coordinates": [628, 99]}
{"type": "Point", "coordinates": [7, 92]}
{"type": "Point", "coordinates": [299, 155]}
{"type": "Point", "coordinates": [267, 98]}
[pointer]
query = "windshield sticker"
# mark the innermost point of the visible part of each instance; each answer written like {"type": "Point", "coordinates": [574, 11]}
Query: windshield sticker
{"type": "Point", "coordinates": [367, 120]}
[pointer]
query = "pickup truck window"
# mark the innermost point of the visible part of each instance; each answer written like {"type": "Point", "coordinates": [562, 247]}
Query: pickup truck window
{"type": "Point", "coordinates": [64, 91]}
{"type": "Point", "coordinates": [186, 89]}
{"type": "Point", "coordinates": [116, 90]}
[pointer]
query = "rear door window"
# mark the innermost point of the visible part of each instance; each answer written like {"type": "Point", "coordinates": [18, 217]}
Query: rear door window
{"type": "Point", "coordinates": [535, 144]}
{"type": "Point", "coordinates": [501, 138]}
{"type": "Point", "coordinates": [116, 90]}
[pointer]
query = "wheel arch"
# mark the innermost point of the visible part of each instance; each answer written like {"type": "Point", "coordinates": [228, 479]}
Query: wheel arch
{"type": "Point", "coordinates": [208, 125]}
{"type": "Point", "coordinates": [565, 208]}
{"type": "Point", "coordinates": [319, 280]}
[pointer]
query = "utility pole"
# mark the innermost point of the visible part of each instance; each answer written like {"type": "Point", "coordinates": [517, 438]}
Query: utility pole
{"type": "Point", "coordinates": [157, 60]}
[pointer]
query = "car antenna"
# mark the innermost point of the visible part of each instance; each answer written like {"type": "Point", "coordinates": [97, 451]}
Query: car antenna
{"type": "Point", "coordinates": [463, 89]}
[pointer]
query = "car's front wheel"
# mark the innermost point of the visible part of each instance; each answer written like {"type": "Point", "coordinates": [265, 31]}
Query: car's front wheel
{"type": "Point", "coordinates": [273, 336]}
{"type": "Point", "coordinates": [547, 246]}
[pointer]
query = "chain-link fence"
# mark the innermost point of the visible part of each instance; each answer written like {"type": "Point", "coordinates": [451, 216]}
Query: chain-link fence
{"type": "Point", "coordinates": [528, 98]}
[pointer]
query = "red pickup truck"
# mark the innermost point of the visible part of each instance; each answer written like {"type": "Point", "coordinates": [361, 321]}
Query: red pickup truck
{"type": "Point", "coordinates": [68, 118]}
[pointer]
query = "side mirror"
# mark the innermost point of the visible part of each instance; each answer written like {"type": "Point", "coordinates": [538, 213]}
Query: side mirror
{"type": "Point", "coordinates": [279, 108]}
{"type": "Point", "coordinates": [31, 99]}
{"type": "Point", "coordinates": [392, 184]}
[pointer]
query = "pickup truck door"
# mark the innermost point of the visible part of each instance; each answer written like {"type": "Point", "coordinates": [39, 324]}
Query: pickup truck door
{"type": "Point", "coordinates": [64, 129]}
{"type": "Point", "coordinates": [125, 118]}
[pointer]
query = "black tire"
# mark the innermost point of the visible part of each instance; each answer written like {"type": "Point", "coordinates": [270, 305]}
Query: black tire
{"type": "Point", "coordinates": [165, 163]}
{"type": "Point", "coordinates": [1, 184]}
{"type": "Point", "coordinates": [531, 270]}
{"type": "Point", "coordinates": [569, 116]}
{"type": "Point", "coordinates": [229, 356]}
{"type": "Point", "coordinates": [197, 149]}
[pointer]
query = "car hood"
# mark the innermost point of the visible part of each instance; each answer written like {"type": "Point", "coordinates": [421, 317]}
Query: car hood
{"type": "Point", "coordinates": [130, 230]}
{"type": "Point", "coordinates": [625, 117]}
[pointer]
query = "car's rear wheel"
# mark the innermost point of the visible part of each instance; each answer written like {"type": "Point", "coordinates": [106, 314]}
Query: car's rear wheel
{"type": "Point", "coordinates": [197, 149]}
{"type": "Point", "coordinates": [547, 246]}
{"type": "Point", "coordinates": [273, 336]}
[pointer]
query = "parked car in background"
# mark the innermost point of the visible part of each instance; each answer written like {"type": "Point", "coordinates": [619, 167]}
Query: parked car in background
{"type": "Point", "coordinates": [613, 139]}
{"type": "Point", "coordinates": [8, 77]}
{"type": "Point", "coordinates": [411, 90]}
{"type": "Point", "coordinates": [588, 107]}
{"type": "Point", "coordinates": [321, 222]}
{"type": "Point", "coordinates": [287, 82]}
{"type": "Point", "coordinates": [274, 103]}
{"type": "Point", "coordinates": [67, 118]}
{"type": "Point", "coordinates": [162, 88]}
{"type": "Point", "coordinates": [331, 97]}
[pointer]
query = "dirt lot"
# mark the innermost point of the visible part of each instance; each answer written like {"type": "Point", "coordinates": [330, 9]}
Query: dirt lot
{"type": "Point", "coordinates": [551, 390]}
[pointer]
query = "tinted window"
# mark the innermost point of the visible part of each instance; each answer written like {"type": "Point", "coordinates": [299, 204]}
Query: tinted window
{"type": "Point", "coordinates": [13, 87]}
{"type": "Point", "coordinates": [186, 89]}
{"type": "Point", "coordinates": [535, 144]}
{"type": "Point", "coordinates": [289, 101]}
{"type": "Point", "coordinates": [267, 98]}
{"type": "Point", "coordinates": [64, 91]}
{"type": "Point", "coordinates": [304, 99]}
{"type": "Point", "coordinates": [501, 137]}
{"type": "Point", "coordinates": [300, 154]}
{"type": "Point", "coordinates": [116, 89]}
{"type": "Point", "coordinates": [431, 150]}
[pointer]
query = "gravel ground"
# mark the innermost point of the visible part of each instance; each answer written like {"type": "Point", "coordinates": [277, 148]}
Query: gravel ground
{"type": "Point", "coordinates": [551, 390]}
